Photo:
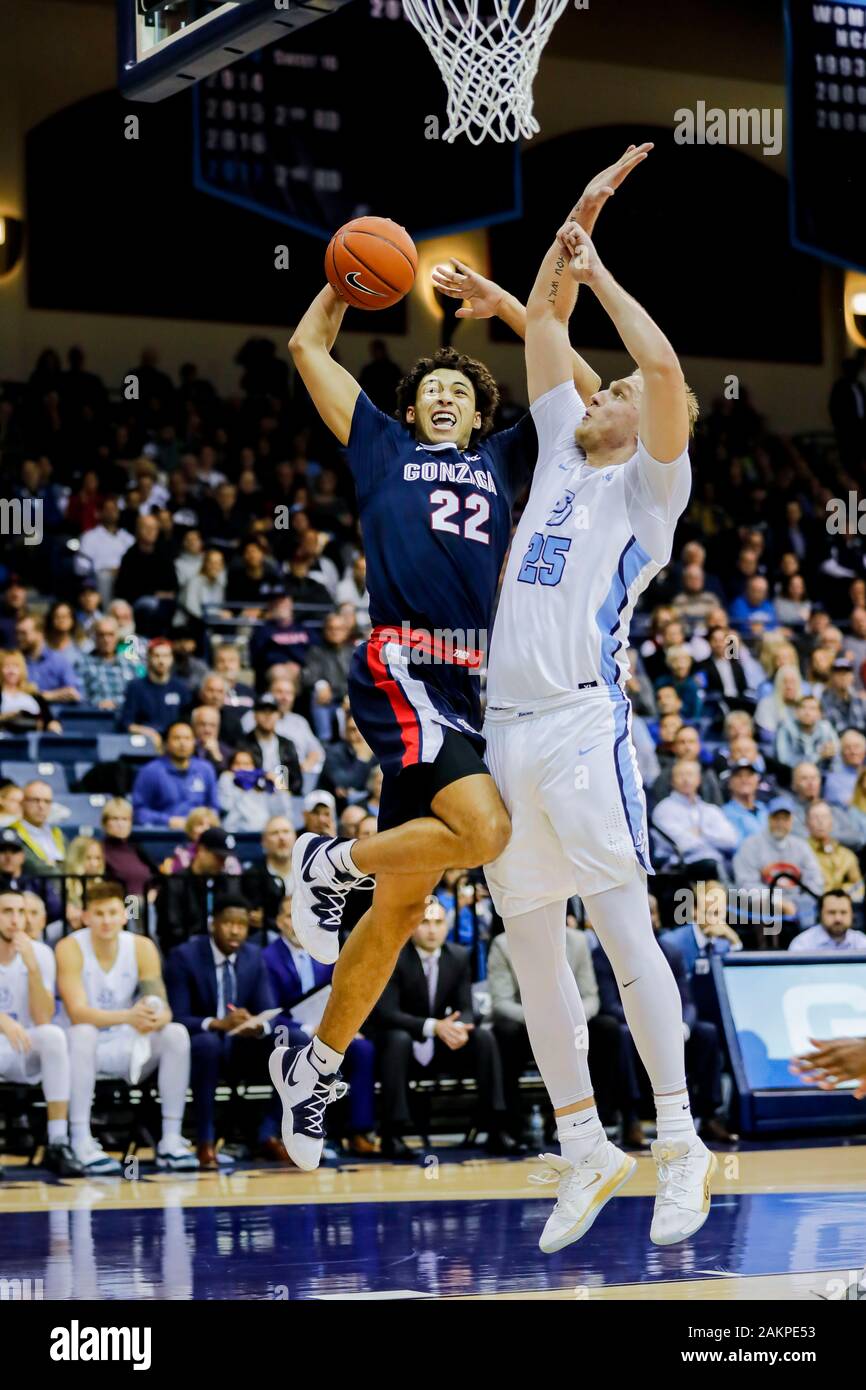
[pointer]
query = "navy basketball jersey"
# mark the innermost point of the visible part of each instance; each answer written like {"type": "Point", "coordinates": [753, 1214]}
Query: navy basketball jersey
{"type": "Point", "coordinates": [435, 519]}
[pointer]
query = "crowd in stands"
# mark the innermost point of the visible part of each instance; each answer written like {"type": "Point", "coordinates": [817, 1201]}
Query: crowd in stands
{"type": "Point", "coordinates": [174, 652]}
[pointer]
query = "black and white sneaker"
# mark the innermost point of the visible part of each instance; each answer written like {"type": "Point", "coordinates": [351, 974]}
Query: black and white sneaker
{"type": "Point", "coordinates": [305, 1095]}
{"type": "Point", "coordinates": [60, 1160]}
{"type": "Point", "coordinates": [319, 896]}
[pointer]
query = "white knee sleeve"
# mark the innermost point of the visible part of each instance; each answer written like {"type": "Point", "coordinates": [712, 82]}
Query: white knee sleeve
{"type": "Point", "coordinates": [650, 998]}
{"type": "Point", "coordinates": [50, 1042]}
{"type": "Point", "coordinates": [82, 1071]}
{"type": "Point", "coordinates": [555, 1018]}
{"type": "Point", "coordinates": [171, 1049]}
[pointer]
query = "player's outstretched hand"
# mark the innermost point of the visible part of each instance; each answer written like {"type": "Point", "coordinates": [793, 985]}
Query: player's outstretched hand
{"type": "Point", "coordinates": [585, 262]}
{"type": "Point", "coordinates": [460, 281]}
{"type": "Point", "coordinates": [605, 184]}
{"type": "Point", "coordinates": [834, 1061]}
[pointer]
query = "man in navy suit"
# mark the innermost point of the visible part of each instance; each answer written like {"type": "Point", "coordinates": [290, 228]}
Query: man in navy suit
{"type": "Point", "coordinates": [216, 981]}
{"type": "Point", "coordinates": [293, 973]}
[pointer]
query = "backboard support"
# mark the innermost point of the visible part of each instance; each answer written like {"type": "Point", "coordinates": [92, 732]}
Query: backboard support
{"type": "Point", "coordinates": [168, 49]}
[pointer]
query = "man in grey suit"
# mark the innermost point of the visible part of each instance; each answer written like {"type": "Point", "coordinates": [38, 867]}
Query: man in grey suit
{"type": "Point", "coordinates": [605, 1049]}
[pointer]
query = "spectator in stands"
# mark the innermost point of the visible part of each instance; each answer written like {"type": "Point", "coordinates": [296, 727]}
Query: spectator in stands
{"type": "Point", "coordinates": [23, 709]}
{"type": "Point", "coordinates": [12, 863]}
{"type": "Point", "coordinates": [700, 832]}
{"type": "Point", "coordinates": [290, 725]}
{"type": "Point", "coordinates": [51, 672]}
{"type": "Point", "coordinates": [753, 611]}
{"type": "Point", "coordinates": [325, 675]}
{"type": "Point", "coordinates": [212, 693]}
{"type": "Point", "coordinates": [792, 605]}
{"type": "Point", "coordinates": [679, 661]}
{"type": "Point", "coordinates": [743, 809]}
{"type": "Point", "coordinates": [12, 607]}
{"type": "Point", "coordinates": [299, 580]}
{"type": "Point", "coordinates": [186, 901]}
{"type": "Point", "coordinates": [368, 826]}
{"type": "Point", "coordinates": [694, 601]}
{"type": "Point", "coordinates": [838, 864]}
{"type": "Point", "coordinates": [639, 687]}
{"type": "Point", "coordinates": [122, 613]}
{"type": "Point", "coordinates": [205, 723]}
{"type": "Point", "coordinates": [374, 791]}
{"type": "Point", "coordinates": [253, 580]}
{"type": "Point", "coordinates": [44, 844]}
{"type": "Point", "coordinates": [146, 571]}
{"type": "Point", "coordinates": [188, 667]}
{"type": "Point", "coordinates": [855, 645]}
{"type": "Point", "coordinates": [222, 521]}
{"type": "Point", "coordinates": [352, 588]}
{"type": "Point", "coordinates": [722, 672]}
{"type": "Point", "coordinates": [168, 788]}
{"type": "Point", "coordinates": [848, 826]}
{"type": "Point", "coordinates": [270, 752]}
{"type": "Point", "coordinates": [687, 745]}
{"type": "Point", "coordinates": [781, 703]}
{"type": "Point", "coordinates": [10, 802]}
{"type": "Point", "coordinates": [380, 377]}
{"type": "Point", "coordinates": [200, 819]}
{"type": "Point", "coordinates": [835, 930]}
{"type": "Point", "coordinates": [227, 663]}
{"type": "Point", "coordinates": [425, 1026]}
{"type": "Point", "coordinates": [267, 883]}
{"type": "Point", "coordinates": [320, 812]}
{"type": "Point", "coordinates": [279, 638]}
{"type": "Point", "coordinates": [155, 701]}
{"type": "Point", "coordinates": [63, 633]}
{"type": "Point", "coordinates": [248, 796]}
{"type": "Point", "coordinates": [100, 970]}
{"type": "Point", "coordinates": [294, 974]}
{"type": "Point", "coordinates": [840, 703]}
{"type": "Point", "coordinates": [843, 777]}
{"type": "Point", "coordinates": [105, 675]}
{"type": "Point", "coordinates": [349, 822]}
{"type": "Point", "coordinates": [219, 989]}
{"type": "Point", "coordinates": [105, 545]}
{"type": "Point", "coordinates": [773, 850]}
{"type": "Point", "coordinates": [612, 1093]}
{"type": "Point", "coordinates": [806, 738]}
{"type": "Point", "coordinates": [348, 764]}
{"type": "Point", "coordinates": [85, 863]}
{"type": "Point", "coordinates": [124, 861]}
{"type": "Point", "coordinates": [207, 587]}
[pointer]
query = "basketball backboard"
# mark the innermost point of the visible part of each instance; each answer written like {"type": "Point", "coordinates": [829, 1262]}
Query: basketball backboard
{"type": "Point", "coordinates": [166, 46]}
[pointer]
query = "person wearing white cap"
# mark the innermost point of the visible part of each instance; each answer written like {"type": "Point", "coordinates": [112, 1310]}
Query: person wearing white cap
{"type": "Point", "coordinates": [320, 813]}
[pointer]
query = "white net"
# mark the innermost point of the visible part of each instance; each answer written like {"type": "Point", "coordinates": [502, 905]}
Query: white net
{"type": "Point", "coordinates": [488, 62]}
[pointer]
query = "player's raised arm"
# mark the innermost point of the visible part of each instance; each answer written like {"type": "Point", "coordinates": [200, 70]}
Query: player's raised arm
{"type": "Point", "coordinates": [664, 411]}
{"type": "Point", "coordinates": [334, 391]}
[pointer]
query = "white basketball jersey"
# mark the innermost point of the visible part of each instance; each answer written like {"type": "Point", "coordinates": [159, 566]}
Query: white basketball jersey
{"type": "Point", "coordinates": [588, 544]}
{"type": "Point", "coordinates": [114, 988]}
{"type": "Point", "coordinates": [15, 986]}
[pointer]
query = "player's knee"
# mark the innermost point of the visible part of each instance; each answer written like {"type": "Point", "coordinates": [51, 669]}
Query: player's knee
{"type": "Point", "coordinates": [176, 1038]}
{"type": "Point", "coordinates": [51, 1040]}
{"type": "Point", "coordinates": [489, 836]}
{"type": "Point", "coordinates": [82, 1039]}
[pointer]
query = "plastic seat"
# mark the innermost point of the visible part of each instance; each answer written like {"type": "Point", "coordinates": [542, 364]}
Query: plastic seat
{"type": "Point", "coordinates": [52, 773]}
{"type": "Point", "coordinates": [66, 748]}
{"type": "Point", "coordinates": [111, 747]}
{"type": "Point", "coordinates": [85, 810]}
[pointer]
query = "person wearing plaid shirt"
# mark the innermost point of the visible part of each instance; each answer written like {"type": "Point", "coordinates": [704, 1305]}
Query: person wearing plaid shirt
{"type": "Point", "coordinates": [104, 676]}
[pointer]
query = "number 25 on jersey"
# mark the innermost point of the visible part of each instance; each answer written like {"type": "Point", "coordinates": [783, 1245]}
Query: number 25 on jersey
{"type": "Point", "coordinates": [544, 560]}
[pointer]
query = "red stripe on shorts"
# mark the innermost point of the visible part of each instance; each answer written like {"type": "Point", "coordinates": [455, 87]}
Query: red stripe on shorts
{"type": "Point", "coordinates": [403, 711]}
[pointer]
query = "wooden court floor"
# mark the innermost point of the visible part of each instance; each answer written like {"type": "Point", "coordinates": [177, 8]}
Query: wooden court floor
{"type": "Point", "coordinates": [787, 1224]}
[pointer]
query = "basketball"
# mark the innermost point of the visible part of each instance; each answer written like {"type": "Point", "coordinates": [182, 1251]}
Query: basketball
{"type": "Point", "coordinates": [371, 262]}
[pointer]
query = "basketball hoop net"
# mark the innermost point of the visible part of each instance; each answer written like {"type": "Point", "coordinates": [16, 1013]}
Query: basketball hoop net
{"type": "Point", "coordinates": [488, 64]}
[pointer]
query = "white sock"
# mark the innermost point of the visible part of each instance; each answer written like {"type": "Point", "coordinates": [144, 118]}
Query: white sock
{"type": "Point", "coordinates": [170, 1131]}
{"type": "Point", "coordinates": [58, 1132]}
{"type": "Point", "coordinates": [325, 1060]}
{"type": "Point", "coordinates": [579, 1134]}
{"type": "Point", "coordinates": [674, 1118]}
{"type": "Point", "coordinates": [340, 855]}
{"type": "Point", "coordinates": [81, 1136]}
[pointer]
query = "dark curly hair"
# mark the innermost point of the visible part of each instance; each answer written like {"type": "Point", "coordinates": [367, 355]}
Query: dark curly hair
{"type": "Point", "coordinates": [486, 390]}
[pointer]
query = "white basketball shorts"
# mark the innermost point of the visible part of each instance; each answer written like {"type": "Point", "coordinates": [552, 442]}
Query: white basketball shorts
{"type": "Point", "coordinates": [570, 782]}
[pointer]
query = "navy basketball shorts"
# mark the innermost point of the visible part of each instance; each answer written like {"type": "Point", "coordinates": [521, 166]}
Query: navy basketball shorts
{"type": "Point", "coordinates": [421, 717]}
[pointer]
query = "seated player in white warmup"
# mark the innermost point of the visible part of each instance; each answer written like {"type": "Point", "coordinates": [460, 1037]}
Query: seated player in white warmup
{"type": "Point", "coordinates": [613, 477]}
{"type": "Point", "coordinates": [100, 970]}
{"type": "Point", "coordinates": [33, 1050]}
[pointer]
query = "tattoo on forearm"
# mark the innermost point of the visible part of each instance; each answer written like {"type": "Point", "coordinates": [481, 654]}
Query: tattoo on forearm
{"type": "Point", "coordinates": [152, 987]}
{"type": "Point", "coordinates": [554, 284]}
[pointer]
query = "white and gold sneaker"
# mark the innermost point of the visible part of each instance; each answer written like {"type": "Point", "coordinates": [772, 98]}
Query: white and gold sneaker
{"type": "Point", "coordinates": [683, 1194]}
{"type": "Point", "coordinates": [584, 1188]}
